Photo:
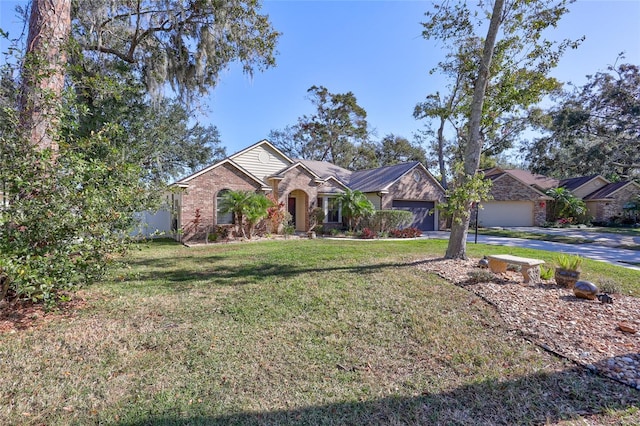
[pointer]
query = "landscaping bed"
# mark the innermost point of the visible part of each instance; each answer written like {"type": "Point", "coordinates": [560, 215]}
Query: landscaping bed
{"type": "Point", "coordinates": [585, 331]}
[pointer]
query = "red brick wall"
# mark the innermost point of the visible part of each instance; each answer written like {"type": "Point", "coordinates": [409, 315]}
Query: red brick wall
{"type": "Point", "coordinates": [201, 194]}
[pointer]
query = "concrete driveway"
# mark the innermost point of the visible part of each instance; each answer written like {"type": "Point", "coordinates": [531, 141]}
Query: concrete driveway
{"type": "Point", "coordinates": [600, 250]}
{"type": "Point", "coordinates": [601, 238]}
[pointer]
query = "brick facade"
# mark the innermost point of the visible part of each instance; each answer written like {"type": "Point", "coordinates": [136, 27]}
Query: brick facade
{"type": "Point", "coordinates": [605, 210]}
{"type": "Point", "coordinates": [260, 168]}
{"type": "Point", "coordinates": [201, 195]}
{"type": "Point", "coordinates": [407, 188]}
{"type": "Point", "coordinates": [508, 188]}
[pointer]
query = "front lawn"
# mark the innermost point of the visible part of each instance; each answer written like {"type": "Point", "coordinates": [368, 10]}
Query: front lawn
{"type": "Point", "coordinates": [295, 332]}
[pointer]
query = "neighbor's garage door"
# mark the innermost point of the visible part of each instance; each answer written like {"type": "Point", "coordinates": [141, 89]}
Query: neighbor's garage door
{"type": "Point", "coordinates": [420, 209]}
{"type": "Point", "coordinates": [506, 213]}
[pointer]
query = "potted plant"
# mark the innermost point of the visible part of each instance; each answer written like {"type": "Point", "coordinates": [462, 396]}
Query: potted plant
{"type": "Point", "coordinates": [568, 270]}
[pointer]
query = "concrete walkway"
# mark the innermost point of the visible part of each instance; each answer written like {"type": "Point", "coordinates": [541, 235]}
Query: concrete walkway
{"type": "Point", "coordinates": [594, 251]}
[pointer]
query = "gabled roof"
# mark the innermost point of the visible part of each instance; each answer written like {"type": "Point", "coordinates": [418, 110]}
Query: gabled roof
{"type": "Point", "coordinates": [497, 173]}
{"type": "Point", "coordinates": [539, 181]}
{"type": "Point", "coordinates": [607, 191]}
{"type": "Point", "coordinates": [379, 179]}
{"type": "Point", "coordinates": [262, 142]}
{"type": "Point", "coordinates": [328, 170]}
{"type": "Point", "coordinates": [371, 180]}
{"type": "Point", "coordinates": [184, 182]}
{"type": "Point", "coordinates": [574, 183]}
{"type": "Point", "coordinates": [297, 164]}
{"type": "Point", "coordinates": [533, 179]}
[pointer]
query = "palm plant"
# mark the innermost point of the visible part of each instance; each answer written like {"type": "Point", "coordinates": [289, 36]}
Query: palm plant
{"type": "Point", "coordinates": [355, 206]}
{"type": "Point", "coordinates": [247, 208]}
{"type": "Point", "coordinates": [565, 205]}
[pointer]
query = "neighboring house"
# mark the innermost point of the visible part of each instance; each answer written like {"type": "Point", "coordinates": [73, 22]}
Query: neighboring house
{"type": "Point", "coordinates": [604, 200]}
{"type": "Point", "coordinates": [519, 197]}
{"type": "Point", "coordinates": [301, 185]}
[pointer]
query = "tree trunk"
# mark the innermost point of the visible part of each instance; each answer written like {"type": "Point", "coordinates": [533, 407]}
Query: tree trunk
{"type": "Point", "coordinates": [441, 162]}
{"type": "Point", "coordinates": [44, 70]}
{"type": "Point", "coordinates": [457, 248]}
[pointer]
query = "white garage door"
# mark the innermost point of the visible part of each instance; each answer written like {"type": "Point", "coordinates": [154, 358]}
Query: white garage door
{"type": "Point", "coordinates": [506, 213]}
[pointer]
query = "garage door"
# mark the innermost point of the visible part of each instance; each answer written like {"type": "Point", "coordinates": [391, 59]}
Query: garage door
{"type": "Point", "coordinates": [506, 213]}
{"type": "Point", "coordinates": [420, 209]}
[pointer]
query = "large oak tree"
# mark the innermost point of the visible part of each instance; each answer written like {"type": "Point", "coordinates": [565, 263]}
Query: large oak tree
{"type": "Point", "coordinates": [592, 129]}
{"type": "Point", "coordinates": [509, 72]}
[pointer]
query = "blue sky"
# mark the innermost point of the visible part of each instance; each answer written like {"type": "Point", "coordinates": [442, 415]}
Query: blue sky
{"type": "Point", "coordinates": [375, 50]}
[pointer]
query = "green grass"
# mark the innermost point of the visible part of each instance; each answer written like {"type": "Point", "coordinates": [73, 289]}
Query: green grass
{"type": "Point", "coordinates": [294, 332]}
{"type": "Point", "coordinates": [634, 232]}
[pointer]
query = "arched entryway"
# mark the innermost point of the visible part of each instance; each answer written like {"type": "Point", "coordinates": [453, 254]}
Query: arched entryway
{"type": "Point", "coordinates": [297, 206]}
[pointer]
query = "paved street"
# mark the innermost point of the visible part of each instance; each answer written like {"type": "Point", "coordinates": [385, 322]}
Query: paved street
{"type": "Point", "coordinates": [597, 251]}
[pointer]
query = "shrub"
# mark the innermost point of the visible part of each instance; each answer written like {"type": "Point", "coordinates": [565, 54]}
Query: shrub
{"type": "Point", "coordinates": [275, 214]}
{"type": "Point", "coordinates": [546, 273]}
{"type": "Point", "coordinates": [386, 220]}
{"type": "Point", "coordinates": [405, 233]}
{"type": "Point", "coordinates": [288, 228]}
{"type": "Point", "coordinates": [609, 285]}
{"type": "Point", "coordinates": [481, 276]}
{"type": "Point", "coordinates": [368, 234]}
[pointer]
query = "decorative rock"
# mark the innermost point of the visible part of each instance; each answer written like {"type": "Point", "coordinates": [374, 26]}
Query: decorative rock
{"type": "Point", "coordinates": [484, 262]}
{"type": "Point", "coordinates": [627, 328]}
{"type": "Point", "coordinates": [585, 290]}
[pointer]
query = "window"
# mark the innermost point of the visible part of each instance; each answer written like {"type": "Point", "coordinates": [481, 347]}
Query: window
{"type": "Point", "coordinates": [222, 218]}
{"type": "Point", "coordinates": [333, 210]}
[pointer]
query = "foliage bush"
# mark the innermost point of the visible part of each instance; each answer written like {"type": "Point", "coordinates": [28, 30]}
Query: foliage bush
{"type": "Point", "coordinates": [64, 220]}
{"type": "Point", "coordinates": [609, 285]}
{"type": "Point", "coordinates": [355, 208]}
{"type": "Point", "coordinates": [405, 233]}
{"type": "Point", "coordinates": [565, 208]}
{"type": "Point", "coordinates": [546, 273]}
{"type": "Point", "coordinates": [219, 233]}
{"type": "Point", "coordinates": [248, 209]}
{"type": "Point", "coordinates": [368, 234]}
{"type": "Point", "coordinates": [275, 214]}
{"type": "Point", "coordinates": [385, 220]}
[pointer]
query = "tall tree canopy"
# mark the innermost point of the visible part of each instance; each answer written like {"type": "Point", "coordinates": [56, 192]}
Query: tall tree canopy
{"type": "Point", "coordinates": [184, 43]}
{"type": "Point", "coordinates": [508, 69]}
{"type": "Point", "coordinates": [98, 125]}
{"type": "Point", "coordinates": [336, 132]}
{"type": "Point", "coordinates": [393, 149]}
{"type": "Point", "coordinates": [592, 129]}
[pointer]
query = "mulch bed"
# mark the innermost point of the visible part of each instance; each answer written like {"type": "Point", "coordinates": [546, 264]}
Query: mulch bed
{"type": "Point", "coordinates": [585, 331]}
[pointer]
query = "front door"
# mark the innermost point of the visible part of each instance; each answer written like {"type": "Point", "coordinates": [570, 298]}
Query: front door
{"type": "Point", "coordinates": [291, 208]}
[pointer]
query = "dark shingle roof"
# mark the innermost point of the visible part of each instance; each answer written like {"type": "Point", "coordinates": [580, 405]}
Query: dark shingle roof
{"type": "Point", "coordinates": [606, 191]}
{"type": "Point", "coordinates": [533, 179]}
{"type": "Point", "coordinates": [370, 180]}
{"type": "Point", "coordinates": [574, 183]}
{"type": "Point", "coordinates": [373, 180]}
